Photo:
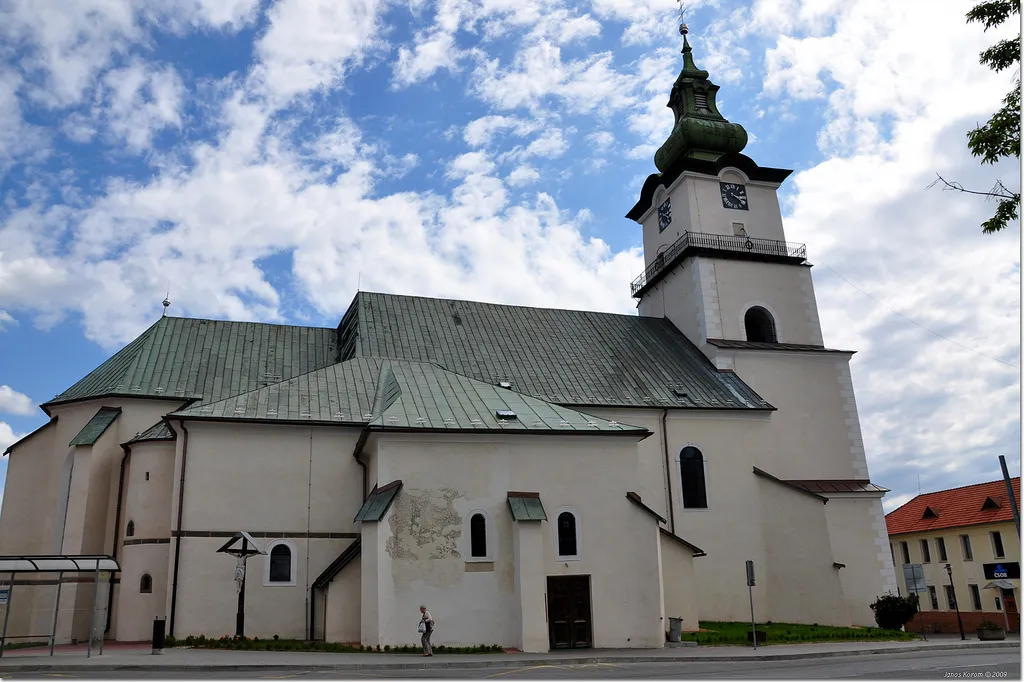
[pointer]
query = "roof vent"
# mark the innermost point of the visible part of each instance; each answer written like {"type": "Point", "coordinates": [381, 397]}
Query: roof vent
{"type": "Point", "coordinates": [505, 384]}
{"type": "Point", "coordinates": [989, 504]}
{"type": "Point", "coordinates": [929, 514]}
{"type": "Point", "coordinates": [505, 414]}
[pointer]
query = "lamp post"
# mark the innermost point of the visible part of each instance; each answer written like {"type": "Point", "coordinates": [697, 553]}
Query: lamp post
{"type": "Point", "coordinates": [952, 590]}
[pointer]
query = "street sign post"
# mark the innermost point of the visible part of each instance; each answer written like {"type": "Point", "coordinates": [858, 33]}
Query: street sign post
{"type": "Point", "coordinates": [750, 589]}
{"type": "Point", "coordinates": [913, 576]}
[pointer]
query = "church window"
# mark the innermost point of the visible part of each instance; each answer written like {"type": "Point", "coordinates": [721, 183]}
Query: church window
{"type": "Point", "coordinates": [691, 470]}
{"type": "Point", "coordinates": [146, 584]}
{"type": "Point", "coordinates": [567, 531]}
{"type": "Point", "coordinates": [478, 536]}
{"type": "Point", "coordinates": [129, 530]}
{"type": "Point", "coordinates": [280, 564]}
{"type": "Point", "coordinates": [759, 325]}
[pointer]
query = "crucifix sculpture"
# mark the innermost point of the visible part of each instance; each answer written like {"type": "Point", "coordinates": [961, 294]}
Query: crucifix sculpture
{"type": "Point", "coordinates": [241, 546]}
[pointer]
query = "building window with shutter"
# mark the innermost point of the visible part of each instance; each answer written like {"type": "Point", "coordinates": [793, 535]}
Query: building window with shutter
{"type": "Point", "coordinates": [905, 548]}
{"type": "Point", "coordinates": [950, 599]}
{"type": "Point", "coordinates": [941, 542]}
{"type": "Point", "coordinates": [975, 597]}
{"type": "Point", "coordinates": [926, 553]}
{"type": "Point", "coordinates": [997, 544]}
{"type": "Point", "coordinates": [965, 545]}
{"type": "Point", "coordinates": [934, 595]}
{"type": "Point", "coordinates": [691, 470]}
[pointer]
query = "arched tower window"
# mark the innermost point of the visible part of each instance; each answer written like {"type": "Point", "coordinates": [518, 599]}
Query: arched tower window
{"type": "Point", "coordinates": [568, 544]}
{"type": "Point", "coordinates": [145, 584]}
{"type": "Point", "coordinates": [478, 536]}
{"type": "Point", "coordinates": [129, 530]}
{"type": "Point", "coordinates": [759, 325]}
{"type": "Point", "coordinates": [691, 470]}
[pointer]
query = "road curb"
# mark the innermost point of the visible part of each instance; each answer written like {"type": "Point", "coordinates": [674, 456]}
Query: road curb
{"type": "Point", "coordinates": [497, 663]}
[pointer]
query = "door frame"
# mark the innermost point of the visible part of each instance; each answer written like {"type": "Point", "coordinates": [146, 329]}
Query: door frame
{"type": "Point", "coordinates": [590, 603]}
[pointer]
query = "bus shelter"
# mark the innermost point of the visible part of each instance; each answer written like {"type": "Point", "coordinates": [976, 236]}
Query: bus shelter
{"type": "Point", "coordinates": [59, 564]}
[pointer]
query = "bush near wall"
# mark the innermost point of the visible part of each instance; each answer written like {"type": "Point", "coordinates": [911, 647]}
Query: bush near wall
{"type": "Point", "coordinates": [278, 644]}
{"type": "Point", "coordinates": [729, 633]}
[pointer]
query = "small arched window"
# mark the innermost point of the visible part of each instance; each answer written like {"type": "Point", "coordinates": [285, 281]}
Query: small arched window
{"type": "Point", "coordinates": [567, 540]}
{"type": "Point", "coordinates": [691, 470]}
{"type": "Point", "coordinates": [478, 536]}
{"type": "Point", "coordinates": [145, 584]}
{"type": "Point", "coordinates": [759, 325]}
{"type": "Point", "coordinates": [281, 564]}
{"type": "Point", "coordinates": [129, 530]}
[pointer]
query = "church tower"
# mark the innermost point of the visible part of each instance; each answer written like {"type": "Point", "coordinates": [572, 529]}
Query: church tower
{"type": "Point", "coordinates": [716, 257]}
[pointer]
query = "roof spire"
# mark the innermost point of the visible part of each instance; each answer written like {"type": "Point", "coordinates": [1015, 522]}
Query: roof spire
{"type": "Point", "coordinates": [167, 303]}
{"type": "Point", "coordinates": [700, 131]}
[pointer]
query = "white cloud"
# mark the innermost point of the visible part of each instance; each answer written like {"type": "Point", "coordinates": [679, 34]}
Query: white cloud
{"type": "Point", "coordinates": [13, 402]}
{"type": "Point", "coordinates": [523, 175]}
{"type": "Point", "coordinates": [602, 140]}
{"type": "Point", "coordinates": [7, 438]}
{"type": "Point", "coordinates": [6, 320]}
{"type": "Point", "coordinates": [551, 144]}
{"type": "Point", "coordinates": [311, 43]}
{"type": "Point", "coordinates": [433, 51]}
{"type": "Point", "coordinates": [142, 100]}
{"type": "Point", "coordinates": [480, 132]}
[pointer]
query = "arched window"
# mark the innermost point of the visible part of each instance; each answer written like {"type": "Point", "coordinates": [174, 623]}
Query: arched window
{"type": "Point", "coordinates": [691, 470]}
{"type": "Point", "coordinates": [129, 529]}
{"type": "Point", "coordinates": [759, 325]}
{"type": "Point", "coordinates": [568, 544]}
{"type": "Point", "coordinates": [478, 536]}
{"type": "Point", "coordinates": [281, 564]}
{"type": "Point", "coordinates": [145, 584]}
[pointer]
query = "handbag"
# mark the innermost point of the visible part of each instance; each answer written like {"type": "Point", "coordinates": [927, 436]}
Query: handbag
{"type": "Point", "coordinates": [422, 627]}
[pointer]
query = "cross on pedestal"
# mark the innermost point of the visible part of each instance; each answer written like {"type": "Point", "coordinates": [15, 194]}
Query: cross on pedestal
{"type": "Point", "coordinates": [241, 546]}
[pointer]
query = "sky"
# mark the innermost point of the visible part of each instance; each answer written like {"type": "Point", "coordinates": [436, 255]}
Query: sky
{"type": "Point", "coordinates": [260, 160]}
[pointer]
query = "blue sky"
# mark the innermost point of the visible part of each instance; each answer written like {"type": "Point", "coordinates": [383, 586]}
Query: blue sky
{"type": "Point", "coordinates": [261, 160]}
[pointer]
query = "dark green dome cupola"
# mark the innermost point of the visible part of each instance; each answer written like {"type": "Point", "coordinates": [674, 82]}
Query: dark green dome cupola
{"type": "Point", "coordinates": [700, 131]}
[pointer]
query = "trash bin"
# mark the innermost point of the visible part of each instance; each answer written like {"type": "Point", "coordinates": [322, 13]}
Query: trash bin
{"type": "Point", "coordinates": [158, 635]}
{"type": "Point", "coordinates": [675, 629]}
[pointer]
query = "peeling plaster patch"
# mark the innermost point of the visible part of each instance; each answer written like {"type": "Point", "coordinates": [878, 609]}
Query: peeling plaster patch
{"type": "Point", "coordinates": [425, 525]}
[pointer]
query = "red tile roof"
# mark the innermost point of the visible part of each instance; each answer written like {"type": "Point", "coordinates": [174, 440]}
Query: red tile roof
{"type": "Point", "coordinates": [954, 508]}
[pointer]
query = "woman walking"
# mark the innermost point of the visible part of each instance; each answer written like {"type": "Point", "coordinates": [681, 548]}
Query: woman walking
{"type": "Point", "coordinates": [427, 628]}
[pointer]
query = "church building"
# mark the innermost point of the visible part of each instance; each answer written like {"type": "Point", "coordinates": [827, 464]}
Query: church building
{"type": "Point", "coordinates": [539, 478]}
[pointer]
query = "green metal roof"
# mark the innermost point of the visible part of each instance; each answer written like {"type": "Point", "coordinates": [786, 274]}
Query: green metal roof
{"type": "Point", "coordinates": [565, 357]}
{"type": "Point", "coordinates": [395, 394]}
{"type": "Point", "coordinates": [526, 507]}
{"type": "Point", "coordinates": [159, 431]}
{"type": "Point", "coordinates": [92, 431]}
{"type": "Point", "coordinates": [209, 359]}
{"type": "Point", "coordinates": [378, 502]}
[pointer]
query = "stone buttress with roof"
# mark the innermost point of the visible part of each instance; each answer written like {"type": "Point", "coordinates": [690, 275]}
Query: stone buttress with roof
{"type": "Point", "coordinates": [540, 478]}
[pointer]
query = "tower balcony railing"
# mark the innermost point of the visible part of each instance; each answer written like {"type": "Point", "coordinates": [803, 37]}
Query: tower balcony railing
{"type": "Point", "coordinates": [722, 244]}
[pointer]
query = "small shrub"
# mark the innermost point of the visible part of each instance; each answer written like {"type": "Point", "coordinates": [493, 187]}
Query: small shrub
{"type": "Point", "coordinates": [893, 612]}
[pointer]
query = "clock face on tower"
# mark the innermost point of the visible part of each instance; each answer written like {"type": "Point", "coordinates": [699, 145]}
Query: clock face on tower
{"type": "Point", "coordinates": [734, 195]}
{"type": "Point", "coordinates": [664, 215]}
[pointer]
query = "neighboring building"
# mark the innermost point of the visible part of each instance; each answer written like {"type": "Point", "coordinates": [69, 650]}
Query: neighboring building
{"type": "Point", "coordinates": [970, 529]}
{"type": "Point", "coordinates": [540, 478]}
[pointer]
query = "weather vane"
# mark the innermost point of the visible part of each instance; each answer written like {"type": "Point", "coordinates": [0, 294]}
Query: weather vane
{"type": "Point", "coordinates": [682, 16]}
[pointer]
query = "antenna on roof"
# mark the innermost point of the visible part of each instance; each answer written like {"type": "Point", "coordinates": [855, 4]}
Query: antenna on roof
{"type": "Point", "coordinates": [167, 303]}
{"type": "Point", "coordinates": [359, 281]}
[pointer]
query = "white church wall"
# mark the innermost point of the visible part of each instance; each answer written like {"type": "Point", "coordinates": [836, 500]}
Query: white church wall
{"type": "Point", "coordinates": [137, 610]}
{"type": "Point", "coordinates": [679, 584]}
{"type": "Point", "coordinates": [778, 288]}
{"type": "Point", "coordinates": [342, 612]}
{"type": "Point", "coordinates": [802, 584]}
{"type": "Point", "coordinates": [445, 478]}
{"type": "Point", "coordinates": [263, 479]}
{"type": "Point", "coordinates": [812, 437]}
{"type": "Point", "coordinates": [149, 485]}
{"type": "Point", "coordinates": [762, 219]}
{"type": "Point", "coordinates": [860, 540]}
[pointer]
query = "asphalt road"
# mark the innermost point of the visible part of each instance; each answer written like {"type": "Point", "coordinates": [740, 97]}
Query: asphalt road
{"type": "Point", "coordinates": [969, 664]}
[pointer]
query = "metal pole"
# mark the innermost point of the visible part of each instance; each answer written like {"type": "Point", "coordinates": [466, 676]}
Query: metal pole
{"type": "Point", "coordinates": [1009, 492]}
{"type": "Point", "coordinates": [1002, 601]}
{"type": "Point", "coordinates": [7, 614]}
{"type": "Point", "coordinates": [956, 605]}
{"type": "Point", "coordinates": [921, 614]}
{"type": "Point", "coordinates": [753, 627]}
{"type": "Point", "coordinates": [56, 610]}
{"type": "Point", "coordinates": [92, 614]}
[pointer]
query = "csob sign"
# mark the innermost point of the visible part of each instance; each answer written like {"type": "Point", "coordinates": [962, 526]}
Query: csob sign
{"type": "Point", "coordinates": [1006, 570]}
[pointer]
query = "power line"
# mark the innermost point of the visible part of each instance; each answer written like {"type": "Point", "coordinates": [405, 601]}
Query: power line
{"type": "Point", "coordinates": [946, 338]}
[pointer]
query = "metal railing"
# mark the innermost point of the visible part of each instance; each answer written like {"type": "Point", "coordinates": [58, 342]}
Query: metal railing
{"type": "Point", "coordinates": [717, 242]}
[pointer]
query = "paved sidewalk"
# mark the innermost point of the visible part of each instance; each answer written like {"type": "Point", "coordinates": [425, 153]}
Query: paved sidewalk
{"type": "Point", "coordinates": [139, 657]}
